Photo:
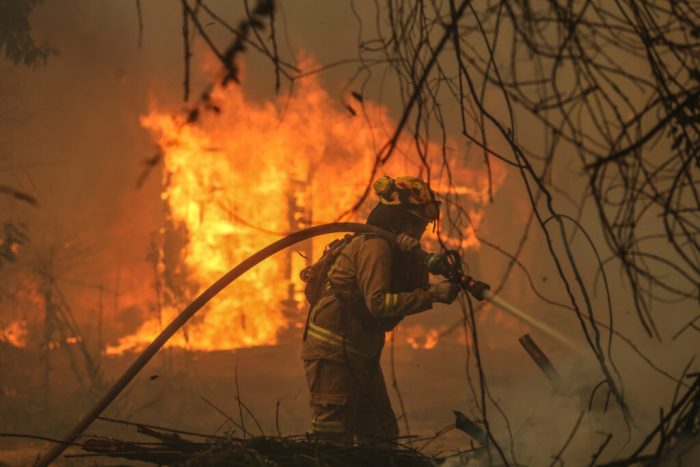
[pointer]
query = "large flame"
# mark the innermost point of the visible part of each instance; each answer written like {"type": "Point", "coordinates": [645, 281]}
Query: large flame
{"type": "Point", "coordinates": [239, 179]}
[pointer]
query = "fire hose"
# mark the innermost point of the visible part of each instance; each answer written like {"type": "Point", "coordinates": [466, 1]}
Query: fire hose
{"type": "Point", "coordinates": [455, 274]}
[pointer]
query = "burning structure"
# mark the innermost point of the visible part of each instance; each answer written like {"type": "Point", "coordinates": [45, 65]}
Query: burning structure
{"type": "Point", "coordinates": [243, 176]}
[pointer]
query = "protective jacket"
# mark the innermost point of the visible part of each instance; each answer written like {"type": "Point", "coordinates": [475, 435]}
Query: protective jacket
{"type": "Point", "coordinates": [369, 289]}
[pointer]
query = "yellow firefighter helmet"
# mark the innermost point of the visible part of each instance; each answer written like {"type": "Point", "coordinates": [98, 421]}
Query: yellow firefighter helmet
{"type": "Point", "coordinates": [411, 193]}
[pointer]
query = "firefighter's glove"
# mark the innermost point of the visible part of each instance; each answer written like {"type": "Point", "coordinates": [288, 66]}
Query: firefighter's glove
{"type": "Point", "coordinates": [407, 243]}
{"type": "Point", "coordinates": [437, 264]}
{"type": "Point", "coordinates": [478, 288]}
{"type": "Point", "coordinates": [444, 292]}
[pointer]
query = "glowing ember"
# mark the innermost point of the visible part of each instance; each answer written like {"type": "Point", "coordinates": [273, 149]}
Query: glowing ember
{"type": "Point", "coordinates": [418, 337]}
{"type": "Point", "coordinates": [240, 179]}
{"type": "Point", "coordinates": [15, 334]}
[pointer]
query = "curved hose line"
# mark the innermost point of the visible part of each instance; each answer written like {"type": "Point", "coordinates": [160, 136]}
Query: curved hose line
{"type": "Point", "coordinates": [191, 309]}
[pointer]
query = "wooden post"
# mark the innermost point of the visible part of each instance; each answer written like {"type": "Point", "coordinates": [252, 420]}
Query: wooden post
{"type": "Point", "coordinates": [541, 360]}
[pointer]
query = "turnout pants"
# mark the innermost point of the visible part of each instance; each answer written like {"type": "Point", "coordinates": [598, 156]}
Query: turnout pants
{"type": "Point", "coordinates": [350, 402]}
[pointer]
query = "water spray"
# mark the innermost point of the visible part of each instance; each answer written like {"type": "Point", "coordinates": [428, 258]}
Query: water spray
{"type": "Point", "coordinates": [451, 268]}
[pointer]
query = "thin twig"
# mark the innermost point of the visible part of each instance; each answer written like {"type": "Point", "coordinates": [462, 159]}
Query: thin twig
{"type": "Point", "coordinates": [568, 441]}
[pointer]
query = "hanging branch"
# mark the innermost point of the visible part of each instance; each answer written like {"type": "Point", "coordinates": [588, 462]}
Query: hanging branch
{"type": "Point", "coordinates": [139, 16]}
{"type": "Point", "coordinates": [187, 52]}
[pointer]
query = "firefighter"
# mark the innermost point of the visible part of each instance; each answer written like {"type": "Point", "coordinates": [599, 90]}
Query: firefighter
{"type": "Point", "coordinates": [370, 287]}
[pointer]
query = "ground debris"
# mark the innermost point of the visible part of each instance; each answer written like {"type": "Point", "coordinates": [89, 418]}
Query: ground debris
{"type": "Point", "coordinates": [302, 450]}
{"type": "Point", "coordinates": [171, 450]}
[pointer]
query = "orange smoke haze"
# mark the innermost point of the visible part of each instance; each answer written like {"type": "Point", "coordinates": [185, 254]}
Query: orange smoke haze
{"type": "Point", "coordinates": [239, 179]}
